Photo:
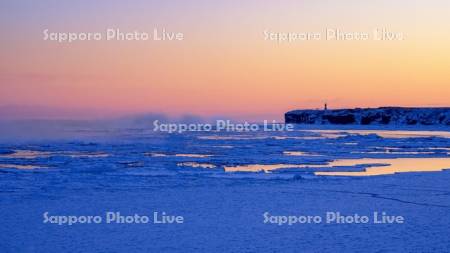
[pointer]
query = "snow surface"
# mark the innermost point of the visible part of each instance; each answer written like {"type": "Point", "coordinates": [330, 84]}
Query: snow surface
{"type": "Point", "coordinates": [117, 170]}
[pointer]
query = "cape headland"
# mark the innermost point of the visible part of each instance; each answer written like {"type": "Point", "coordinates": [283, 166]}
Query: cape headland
{"type": "Point", "coordinates": [372, 116]}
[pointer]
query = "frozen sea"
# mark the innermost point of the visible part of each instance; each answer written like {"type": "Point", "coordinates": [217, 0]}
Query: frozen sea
{"type": "Point", "coordinates": [233, 190]}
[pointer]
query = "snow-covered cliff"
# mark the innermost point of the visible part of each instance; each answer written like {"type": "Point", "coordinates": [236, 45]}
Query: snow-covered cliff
{"type": "Point", "coordinates": [371, 116]}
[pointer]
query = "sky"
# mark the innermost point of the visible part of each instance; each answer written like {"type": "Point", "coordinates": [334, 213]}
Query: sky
{"type": "Point", "coordinates": [224, 66]}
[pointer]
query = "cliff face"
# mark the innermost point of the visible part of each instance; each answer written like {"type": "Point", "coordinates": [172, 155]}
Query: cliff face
{"type": "Point", "coordinates": [372, 116]}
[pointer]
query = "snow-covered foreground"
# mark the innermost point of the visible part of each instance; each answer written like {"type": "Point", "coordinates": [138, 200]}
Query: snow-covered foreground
{"type": "Point", "coordinates": [232, 190]}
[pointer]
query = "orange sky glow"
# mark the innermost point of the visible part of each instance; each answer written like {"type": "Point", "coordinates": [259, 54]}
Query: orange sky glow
{"type": "Point", "coordinates": [224, 65]}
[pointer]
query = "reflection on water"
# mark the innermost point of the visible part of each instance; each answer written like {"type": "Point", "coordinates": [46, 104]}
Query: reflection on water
{"type": "Point", "coordinates": [21, 167]}
{"type": "Point", "coordinates": [260, 167]}
{"type": "Point", "coordinates": [334, 134]}
{"type": "Point", "coordinates": [389, 133]}
{"type": "Point", "coordinates": [358, 144]}
{"type": "Point", "coordinates": [403, 151]}
{"type": "Point", "coordinates": [299, 153]}
{"type": "Point", "coordinates": [323, 135]}
{"type": "Point", "coordinates": [439, 148]}
{"type": "Point", "coordinates": [394, 151]}
{"type": "Point", "coordinates": [197, 165]}
{"type": "Point", "coordinates": [373, 166]}
{"type": "Point", "coordinates": [389, 166]}
{"type": "Point", "coordinates": [297, 137]}
{"type": "Point", "coordinates": [236, 137]}
{"type": "Point", "coordinates": [32, 154]}
{"type": "Point", "coordinates": [193, 155]}
{"type": "Point", "coordinates": [178, 155]}
{"type": "Point", "coordinates": [84, 154]}
{"type": "Point", "coordinates": [156, 154]}
{"type": "Point", "coordinates": [132, 164]}
{"type": "Point", "coordinates": [26, 154]}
